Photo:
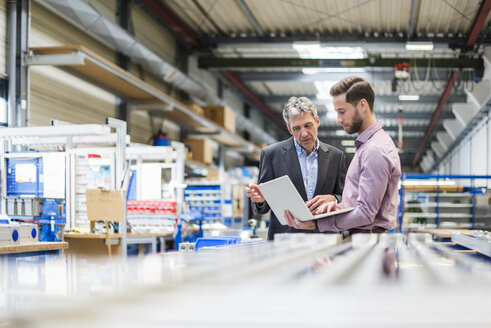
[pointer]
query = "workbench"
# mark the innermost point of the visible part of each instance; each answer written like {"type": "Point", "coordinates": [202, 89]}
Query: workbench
{"type": "Point", "coordinates": [95, 243]}
{"type": "Point", "coordinates": [33, 247]}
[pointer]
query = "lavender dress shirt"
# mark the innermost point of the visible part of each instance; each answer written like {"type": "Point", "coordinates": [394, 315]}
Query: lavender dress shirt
{"type": "Point", "coordinates": [371, 184]}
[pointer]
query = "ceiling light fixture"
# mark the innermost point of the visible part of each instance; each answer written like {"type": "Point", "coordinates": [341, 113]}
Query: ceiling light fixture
{"type": "Point", "coordinates": [340, 132]}
{"type": "Point", "coordinates": [320, 70]}
{"type": "Point", "coordinates": [316, 50]}
{"type": "Point", "coordinates": [348, 142]}
{"type": "Point", "coordinates": [408, 97]}
{"type": "Point", "coordinates": [323, 89]}
{"type": "Point", "coordinates": [421, 46]}
{"type": "Point", "coordinates": [350, 150]}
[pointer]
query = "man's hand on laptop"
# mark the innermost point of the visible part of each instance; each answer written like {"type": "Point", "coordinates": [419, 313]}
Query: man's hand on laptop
{"type": "Point", "coordinates": [318, 201]}
{"type": "Point", "coordinates": [254, 194]}
{"type": "Point", "coordinates": [328, 207]}
{"type": "Point", "coordinates": [297, 224]}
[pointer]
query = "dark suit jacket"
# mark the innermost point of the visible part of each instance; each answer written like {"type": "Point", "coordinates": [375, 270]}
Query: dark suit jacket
{"type": "Point", "coordinates": [281, 159]}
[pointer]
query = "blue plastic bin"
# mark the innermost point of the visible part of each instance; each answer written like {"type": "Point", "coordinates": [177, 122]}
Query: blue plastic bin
{"type": "Point", "coordinates": [31, 188]}
{"type": "Point", "coordinates": [213, 241]}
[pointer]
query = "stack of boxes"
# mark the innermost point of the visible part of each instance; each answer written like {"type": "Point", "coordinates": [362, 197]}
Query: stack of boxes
{"type": "Point", "coordinates": [223, 116]}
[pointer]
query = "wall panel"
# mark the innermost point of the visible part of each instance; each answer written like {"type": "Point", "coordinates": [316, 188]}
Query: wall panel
{"type": "Point", "coordinates": [153, 35]}
{"type": "Point", "coordinates": [55, 94]}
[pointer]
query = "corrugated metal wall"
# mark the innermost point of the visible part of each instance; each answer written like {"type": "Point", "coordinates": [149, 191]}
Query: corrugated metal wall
{"type": "Point", "coordinates": [55, 94]}
{"type": "Point", "coordinates": [156, 38]}
{"type": "Point", "coordinates": [62, 96]}
{"type": "Point", "coordinates": [3, 38]}
{"type": "Point", "coordinates": [53, 97]}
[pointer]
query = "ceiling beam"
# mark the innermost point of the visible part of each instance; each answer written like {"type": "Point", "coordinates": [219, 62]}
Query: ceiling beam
{"type": "Point", "coordinates": [472, 35]}
{"type": "Point", "coordinates": [477, 24]}
{"type": "Point", "coordinates": [451, 41]}
{"type": "Point", "coordinates": [244, 88]}
{"type": "Point", "coordinates": [386, 128]}
{"type": "Point", "coordinates": [408, 115]}
{"type": "Point", "coordinates": [212, 62]}
{"type": "Point", "coordinates": [375, 76]}
{"type": "Point", "coordinates": [174, 22]}
{"type": "Point", "coordinates": [379, 100]}
{"type": "Point", "coordinates": [334, 138]}
{"type": "Point", "coordinates": [208, 18]}
{"type": "Point", "coordinates": [414, 17]}
{"type": "Point", "coordinates": [242, 4]}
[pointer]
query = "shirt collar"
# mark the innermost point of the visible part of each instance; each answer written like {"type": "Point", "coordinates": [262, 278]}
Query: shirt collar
{"type": "Point", "coordinates": [300, 150]}
{"type": "Point", "coordinates": [367, 134]}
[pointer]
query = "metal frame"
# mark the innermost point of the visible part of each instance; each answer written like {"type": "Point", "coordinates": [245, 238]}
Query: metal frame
{"type": "Point", "coordinates": [174, 152]}
{"type": "Point", "coordinates": [64, 135]}
{"type": "Point", "coordinates": [438, 177]}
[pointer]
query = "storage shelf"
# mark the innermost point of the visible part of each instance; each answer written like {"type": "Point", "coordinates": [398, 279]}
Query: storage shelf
{"type": "Point", "coordinates": [442, 194]}
{"type": "Point", "coordinates": [440, 205]}
{"type": "Point", "coordinates": [198, 165]}
{"type": "Point", "coordinates": [441, 215]}
{"type": "Point", "coordinates": [105, 74]}
{"type": "Point", "coordinates": [202, 198]}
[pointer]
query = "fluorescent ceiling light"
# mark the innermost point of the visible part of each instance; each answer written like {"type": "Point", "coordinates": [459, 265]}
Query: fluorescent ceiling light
{"type": "Point", "coordinates": [323, 88]}
{"type": "Point", "coordinates": [320, 70]}
{"type": "Point", "coordinates": [348, 142]}
{"type": "Point", "coordinates": [340, 132]}
{"type": "Point", "coordinates": [350, 150]}
{"type": "Point", "coordinates": [315, 50]}
{"type": "Point", "coordinates": [408, 97]}
{"type": "Point", "coordinates": [423, 46]}
{"type": "Point", "coordinates": [331, 115]}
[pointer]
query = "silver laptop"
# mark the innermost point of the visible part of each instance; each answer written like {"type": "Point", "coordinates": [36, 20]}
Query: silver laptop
{"type": "Point", "coordinates": [282, 195]}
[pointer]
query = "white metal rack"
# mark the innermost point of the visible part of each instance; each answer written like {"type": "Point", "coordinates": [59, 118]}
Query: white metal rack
{"type": "Point", "coordinates": [443, 209]}
{"type": "Point", "coordinates": [67, 137]}
{"type": "Point", "coordinates": [167, 157]}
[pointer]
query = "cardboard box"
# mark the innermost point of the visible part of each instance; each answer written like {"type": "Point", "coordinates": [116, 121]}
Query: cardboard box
{"type": "Point", "coordinates": [201, 150]}
{"type": "Point", "coordinates": [215, 175]}
{"type": "Point", "coordinates": [222, 115]}
{"type": "Point", "coordinates": [195, 108]}
{"type": "Point", "coordinates": [104, 205]}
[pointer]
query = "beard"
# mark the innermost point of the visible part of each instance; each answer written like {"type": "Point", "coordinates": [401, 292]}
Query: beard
{"type": "Point", "coordinates": [355, 126]}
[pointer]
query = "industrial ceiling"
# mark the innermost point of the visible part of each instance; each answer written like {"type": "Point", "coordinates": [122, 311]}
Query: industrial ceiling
{"type": "Point", "coordinates": [272, 50]}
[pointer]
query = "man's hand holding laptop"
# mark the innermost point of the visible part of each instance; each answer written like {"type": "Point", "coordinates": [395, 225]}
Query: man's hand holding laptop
{"type": "Point", "coordinates": [317, 205]}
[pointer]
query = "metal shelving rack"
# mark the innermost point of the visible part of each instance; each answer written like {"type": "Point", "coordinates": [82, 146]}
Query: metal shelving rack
{"type": "Point", "coordinates": [439, 202]}
{"type": "Point", "coordinates": [168, 157]}
{"type": "Point", "coordinates": [69, 137]}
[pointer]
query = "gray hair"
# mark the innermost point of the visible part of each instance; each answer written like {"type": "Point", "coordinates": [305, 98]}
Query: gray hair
{"type": "Point", "coordinates": [297, 106]}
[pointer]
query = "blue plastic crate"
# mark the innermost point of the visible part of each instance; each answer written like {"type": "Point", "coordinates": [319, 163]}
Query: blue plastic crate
{"type": "Point", "coordinates": [213, 241]}
{"type": "Point", "coordinates": [34, 187]}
